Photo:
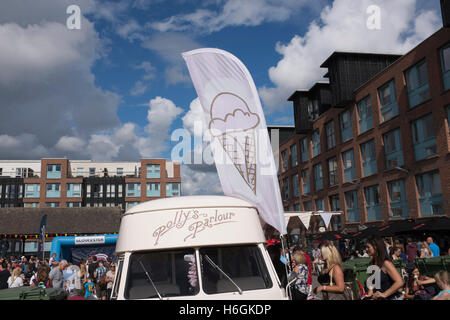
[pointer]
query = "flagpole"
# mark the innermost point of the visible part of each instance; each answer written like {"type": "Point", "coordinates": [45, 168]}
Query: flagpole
{"type": "Point", "coordinates": [43, 244]}
{"type": "Point", "coordinates": [287, 262]}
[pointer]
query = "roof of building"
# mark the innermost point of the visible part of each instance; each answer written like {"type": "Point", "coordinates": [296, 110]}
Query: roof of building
{"type": "Point", "coordinates": [84, 220]}
{"type": "Point", "coordinates": [326, 63]}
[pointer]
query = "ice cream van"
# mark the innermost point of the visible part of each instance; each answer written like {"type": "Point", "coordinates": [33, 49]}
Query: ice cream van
{"type": "Point", "coordinates": [197, 247]}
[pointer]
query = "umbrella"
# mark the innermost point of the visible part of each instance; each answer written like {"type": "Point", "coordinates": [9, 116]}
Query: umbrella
{"type": "Point", "coordinates": [370, 231]}
{"type": "Point", "coordinates": [395, 228]}
{"type": "Point", "coordinates": [331, 235]}
{"type": "Point", "coordinates": [434, 224]}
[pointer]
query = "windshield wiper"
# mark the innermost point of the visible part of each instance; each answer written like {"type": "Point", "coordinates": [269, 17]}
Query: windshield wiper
{"type": "Point", "coordinates": [150, 279]}
{"type": "Point", "coordinates": [215, 266]}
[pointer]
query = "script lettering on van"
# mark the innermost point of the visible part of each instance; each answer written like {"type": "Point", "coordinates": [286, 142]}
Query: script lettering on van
{"type": "Point", "coordinates": [193, 222]}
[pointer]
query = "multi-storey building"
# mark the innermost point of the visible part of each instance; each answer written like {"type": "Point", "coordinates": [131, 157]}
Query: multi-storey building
{"type": "Point", "coordinates": [374, 142]}
{"type": "Point", "coordinates": [75, 183]}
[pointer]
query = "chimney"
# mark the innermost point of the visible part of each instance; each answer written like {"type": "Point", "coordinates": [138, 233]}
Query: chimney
{"type": "Point", "coordinates": [445, 9]}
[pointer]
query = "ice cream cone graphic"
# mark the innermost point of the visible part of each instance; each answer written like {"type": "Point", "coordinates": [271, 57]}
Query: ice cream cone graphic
{"type": "Point", "coordinates": [233, 124]}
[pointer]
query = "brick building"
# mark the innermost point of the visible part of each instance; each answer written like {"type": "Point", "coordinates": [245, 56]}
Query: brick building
{"type": "Point", "coordinates": [74, 183]}
{"type": "Point", "coordinates": [374, 142]}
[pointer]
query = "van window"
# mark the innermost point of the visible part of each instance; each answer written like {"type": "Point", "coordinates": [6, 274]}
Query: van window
{"type": "Point", "coordinates": [244, 265]}
{"type": "Point", "coordinates": [173, 273]}
{"type": "Point", "coordinates": [117, 279]}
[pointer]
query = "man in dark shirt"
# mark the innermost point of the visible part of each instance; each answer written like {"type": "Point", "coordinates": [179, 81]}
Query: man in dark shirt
{"type": "Point", "coordinates": [4, 275]}
{"type": "Point", "coordinates": [411, 251]}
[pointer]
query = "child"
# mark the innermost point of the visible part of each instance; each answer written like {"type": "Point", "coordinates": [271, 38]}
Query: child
{"type": "Point", "coordinates": [443, 281]}
{"type": "Point", "coordinates": [90, 287]}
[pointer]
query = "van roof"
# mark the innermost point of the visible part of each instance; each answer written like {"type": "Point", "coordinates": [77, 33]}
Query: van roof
{"type": "Point", "coordinates": [189, 202]}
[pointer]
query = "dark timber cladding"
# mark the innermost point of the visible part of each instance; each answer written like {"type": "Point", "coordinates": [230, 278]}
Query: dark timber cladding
{"type": "Point", "coordinates": [445, 9]}
{"type": "Point", "coordinates": [310, 104]}
{"type": "Point", "coordinates": [348, 70]}
{"type": "Point", "coordinates": [60, 220]}
{"type": "Point", "coordinates": [11, 191]}
{"type": "Point", "coordinates": [101, 191]}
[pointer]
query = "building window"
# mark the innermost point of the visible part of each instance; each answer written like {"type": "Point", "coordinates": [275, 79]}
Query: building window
{"type": "Point", "coordinates": [397, 199]}
{"type": "Point", "coordinates": [320, 206]}
{"type": "Point", "coordinates": [91, 172]}
{"type": "Point", "coordinates": [32, 190]}
{"type": "Point", "coordinates": [153, 189]}
{"type": "Point", "coordinates": [133, 189]}
{"type": "Point", "coordinates": [313, 109]}
{"type": "Point", "coordinates": [445, 61]}
{"type": "Point", "coordinates": [372, 195]}
{"type": "Point", "coordinates": [345, 121]}
{"type": "Point", "coordinates": [393, 149]}
{"type": "Point", "coordinates": [316, 143]}
{"type": "Point", "coordinates": [173, 189]}
{"type": "Point", "coordinates": [417, 84]}
{"type": "Point", "coordinates": [73, 190]}
{"type": "Point", "coordinates": [332, 172]}
{"type": "Point", "coordinates": [153, 171]}
{"type": "Point", "coordinates": [294, 159]}
{"type": "Point", "coordinates": [110, 190]}
{"type": "Point", "coordinates": [94, 190]}
{"type": "Point", "coordinates": [351, 203]}
{"type": "Point", "coordinates": [80, 172]}
{"type": "Point", "coordinates": [53, 190]}
{"type": "Point", "coordinates": [305, 181]}
{"type": "Point", "coordinates": [286, 188]}
{"type": "Point", "coordinates": [119, 172]}
{"type": "Point", "coordinates": [304, 149]}
{"type": "Point", "coordinates": [335, 203]}
{"type": "Point", "coordinates": [53, 171]}
{"type": "Point", "coordinates": [120, 190]}
{"type": "Point", "coordinates": [424, 139]}
{"type": "Point", "coordinates": [388, 101]}
{"type": "Point", "coordinates": [297, 207]}
{"type": "Point", "coordinates": [52, 204]}
{"type": "Point", "coordinates": [318, 176]}
{"type": "Point", "coordinates": [131, 204]}
{"type": "Point", "coordinates": [284, 160]}
{"type": "Point", "coordinates": [430, 193]}
{"type": "Point", "coordinates": [307, 206]}
{"type": "Point", "coordinates": [348, 159]}
{"type": "Point", "coordinates": [369, 158]}
{"type": "Point", "coordinates": [295, 188]}
{"type": "Point", "coordinates": [331, 141]}
{"type": "Point", "coordinates": [73, 204]}
{"type": "Point", "coordinates": [365, 115]}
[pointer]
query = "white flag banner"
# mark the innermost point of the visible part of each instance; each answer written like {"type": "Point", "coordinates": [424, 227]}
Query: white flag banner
{"type": "Point", "coordinates": [239, 138]}
{"type": "Point", "coordinates": [326, 216]}
{"type": "Point", "coordinates": [305, 218]}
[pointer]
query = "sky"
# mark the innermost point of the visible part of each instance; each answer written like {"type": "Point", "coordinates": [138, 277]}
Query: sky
{"type": "Point", "coordinates": [117, 88]}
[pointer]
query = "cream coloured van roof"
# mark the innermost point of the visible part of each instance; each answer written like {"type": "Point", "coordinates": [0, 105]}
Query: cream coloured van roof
{"type": "Point", "coordinates": [189, 202]}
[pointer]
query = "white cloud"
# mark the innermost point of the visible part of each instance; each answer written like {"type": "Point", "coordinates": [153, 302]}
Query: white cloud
{"type": "Point", "coordinates": [138, 88]}
{"type": "Point", "coordinates": [233, 13]}
{"type": "Point", "coordinates": [199, 182]}
{"type": "Point", "coordinates": [73, 144]}
{"type": "Point", "coordinates": [342, 27]}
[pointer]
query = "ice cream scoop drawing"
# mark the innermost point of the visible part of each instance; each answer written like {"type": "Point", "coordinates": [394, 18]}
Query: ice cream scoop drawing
{"type": "Point", "coordinates": [233, 123]}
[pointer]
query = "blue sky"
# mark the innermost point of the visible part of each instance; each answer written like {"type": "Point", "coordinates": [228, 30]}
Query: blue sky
{"type": "Point", "coordinates": [117, 88]}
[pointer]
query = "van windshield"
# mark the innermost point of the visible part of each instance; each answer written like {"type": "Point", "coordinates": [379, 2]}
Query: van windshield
{"type": "Point", "coordinates": [173, 273]}
{"type": "Point", "coordinates": [244, 265]}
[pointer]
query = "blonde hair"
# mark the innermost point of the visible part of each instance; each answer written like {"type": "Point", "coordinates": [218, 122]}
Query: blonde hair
{"type": "Point", "coordinates": [15, 274]}
{"type": "Point", "coordinates": [299, 258]}
{"type": "Point", "coordinates": [425, 244]}
{"type": "Point", "coordinates": [331, 255]}
{"type": "Point", "coordinates": [442, 277]}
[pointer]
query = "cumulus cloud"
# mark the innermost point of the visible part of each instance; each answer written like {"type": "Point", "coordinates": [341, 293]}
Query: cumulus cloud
{"type": "Point", "coordinates": [233, 13]}
{"type": "Point", "coordinates": [343, 27]}
{"type": "Point", "coordinates": [73, 144]}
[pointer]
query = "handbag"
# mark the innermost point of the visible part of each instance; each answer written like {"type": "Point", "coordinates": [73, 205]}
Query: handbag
{"type": "Point", "coordinates": [346, 295]}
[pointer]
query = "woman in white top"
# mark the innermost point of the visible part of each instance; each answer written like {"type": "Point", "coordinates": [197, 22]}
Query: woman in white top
{"type": "Point", "coordinates": [425, 251]}
{"type": "Point", "coordinates": [15, 280]}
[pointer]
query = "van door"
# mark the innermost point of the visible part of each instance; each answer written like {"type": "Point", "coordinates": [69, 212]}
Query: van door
{"type": "Point", "coordinates": [116, 285]}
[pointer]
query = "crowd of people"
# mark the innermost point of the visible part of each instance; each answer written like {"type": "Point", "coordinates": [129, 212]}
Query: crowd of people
{"type": "Point", "coordinates": [90, 279]}
{"type": "Point", "coordinates": [390, 284]}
